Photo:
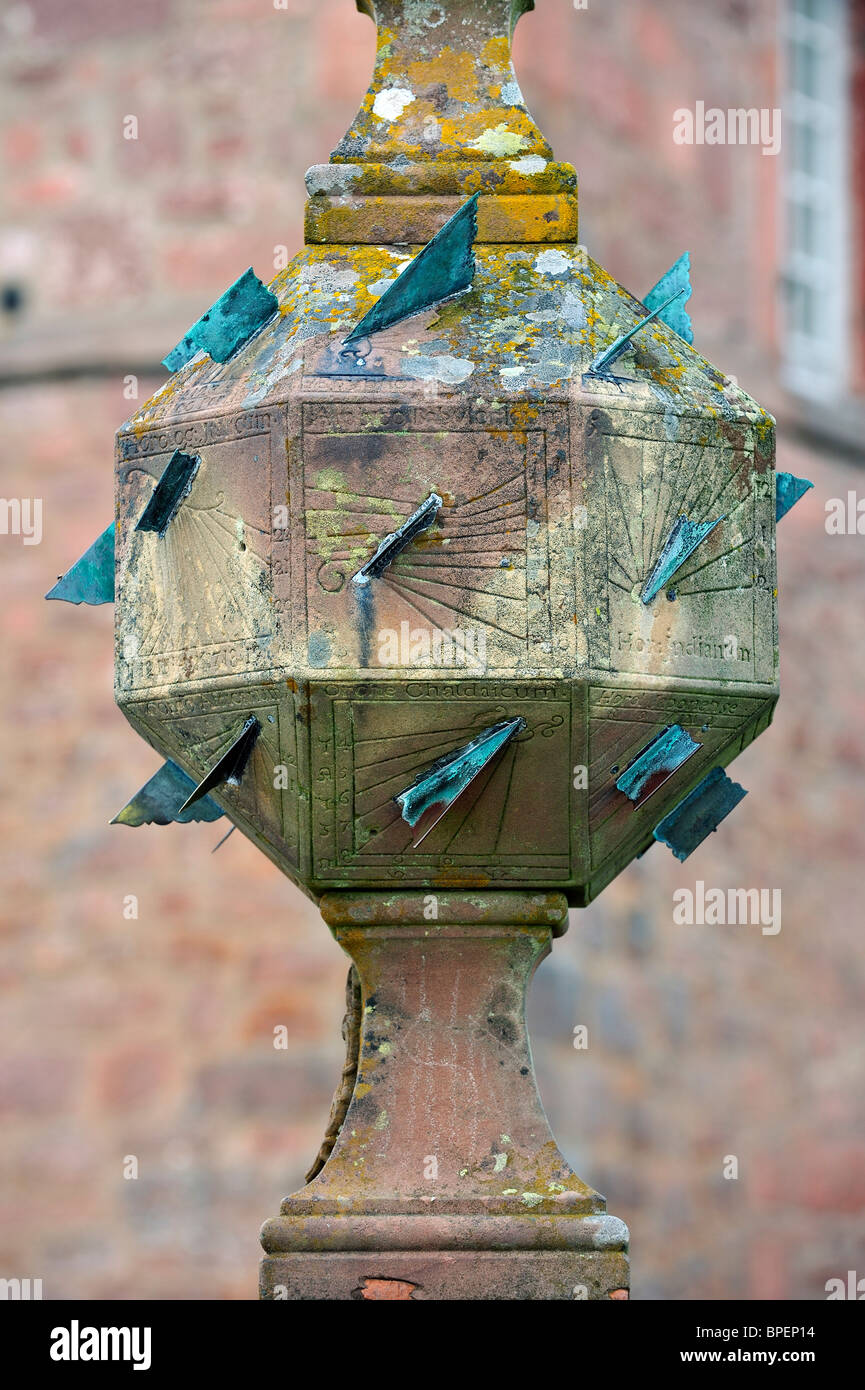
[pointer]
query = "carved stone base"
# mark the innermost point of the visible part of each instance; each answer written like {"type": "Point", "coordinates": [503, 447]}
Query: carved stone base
{"type": "Point", "coordinates": [444, 1180]}
{"type": "Point", "coordinates": [446, 1274]}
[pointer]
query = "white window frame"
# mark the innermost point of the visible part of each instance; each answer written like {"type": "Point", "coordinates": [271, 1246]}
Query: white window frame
{"type": "Point", "coordinates": [815, 361]}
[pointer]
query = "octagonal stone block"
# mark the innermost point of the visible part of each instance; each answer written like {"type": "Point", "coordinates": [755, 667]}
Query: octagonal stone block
{"type": "Point", "coordinates": [522, 599]}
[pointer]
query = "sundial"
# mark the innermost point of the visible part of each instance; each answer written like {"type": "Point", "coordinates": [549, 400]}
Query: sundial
{"type": "Point", "coordinates": [444, 568]}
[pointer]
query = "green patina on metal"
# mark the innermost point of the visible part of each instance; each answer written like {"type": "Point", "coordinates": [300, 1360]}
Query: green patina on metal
{"type": "Point", "coordinates": [656, 763]}
{"type": "Point", "coordinates": [444, 267]}
{"type": "Point", "coordinates": [680, 544]}
{"type": "Point", "coordinates": [434, 791]}
{"type": "Point", "coordinates": [788, 491]}
{"type": "Point", "coordinates": [161, 800]}
{"type": "Point", "coordinates": [699, 813]}
{"type": "Point", "coordinates": [608, 357]}
{"type": "Point", "coordinates": [91, 578]}
{"type": "Point", "coordinates": [230, 322]}
{"type": "Point", "coordinates": [670, 295]}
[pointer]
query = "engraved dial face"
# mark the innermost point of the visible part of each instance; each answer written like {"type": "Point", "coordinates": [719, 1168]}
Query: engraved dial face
{"type": "Point", "coordinates": [197, 730]}
{"type": "Point", "coordinates": [622, 721]}
{"type": "Point", "coordinates": [472, 591]}
{"type": "Point", "coordinates": [714, 616]}
{"type": "Point", "coordinates": [520, 812]}
{"type": "Point", "coordinates": [195, 599]}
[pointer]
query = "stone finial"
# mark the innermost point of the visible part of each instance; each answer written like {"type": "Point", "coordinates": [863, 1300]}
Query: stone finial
{"type": "Point", "coordinates": [443, 118]}
{"type": "Point", "coordinates": [443, 86]}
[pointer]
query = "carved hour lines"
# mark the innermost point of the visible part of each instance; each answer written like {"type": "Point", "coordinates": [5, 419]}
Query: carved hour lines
{"type": "Point", "coordinates": [202, 545]}
{"type": "Point", "coordinates": [469, 563]}
{"type": "Point", "coordinates": [380, 827]}
{"type": "Point", "coordinates": [702, 483]}
{"type": "Point", "coordinates": [207, 744]}
{"type": "Point", "coordinates": [425, 748]}
{"type": "Point", "coordinates": [437, 578]}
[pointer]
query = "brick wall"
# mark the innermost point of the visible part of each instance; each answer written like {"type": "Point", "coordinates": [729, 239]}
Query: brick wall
{"type": "Point", "coordinates": [152, 1037]}
{"type": "Point", "coordinates": [117, 244]}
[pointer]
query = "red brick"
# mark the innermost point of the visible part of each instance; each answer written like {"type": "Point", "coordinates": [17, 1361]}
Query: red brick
{"type": "Point", "coordinates": [94, 20]}
{"type": "Point", "coordinates": [135, 1076]}
{"type": "Point", "coordinates": [37, 1084]}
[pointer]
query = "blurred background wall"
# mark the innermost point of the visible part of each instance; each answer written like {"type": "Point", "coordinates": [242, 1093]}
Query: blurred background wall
{"type": "Point", "coordinates": [152, 1037]}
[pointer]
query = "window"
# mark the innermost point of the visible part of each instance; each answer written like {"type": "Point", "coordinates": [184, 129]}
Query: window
{"type": "Point", "coordinates": [815, 210]}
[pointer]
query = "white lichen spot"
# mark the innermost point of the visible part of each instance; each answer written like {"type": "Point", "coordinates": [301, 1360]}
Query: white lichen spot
{"type": "Point", "coordinates": [500, 1162]}
{"type": "Point", "coordinates": [529, 164]}
{"type": "Point", "coordinates": [511, 94]}
{"type": "Point", "coordinates": [432, 131]}
{"type": "Point", "coordinates": [573, 310]}
{"type": "Point", "coordinates": [390, 104]}
{"type": "Point", "coordinates": [500, 141]}
{"type": "Point", "coordinates": [531, 1199]}
{"type": "Point", "coordinates": [378, 287]}
{"type": "Point", "coordinates": [327, 278]}
{"type": "Point", "coordinates": [384, 1049]}
{"type": "Point", "coordinates": [510, 372]}
{"type": "Point", "coordinates": [331, 178]}
{"type": "Point", "coordinates": [381, 1121]}
{"type": "Point", "coordinates": [552, 262]}
{"type": "Point", "coordinates": [611, 1234]}
{"type": "Point", "coordinates": [277, 373]}
{"type": "Point", "coordinates": [450, 371]}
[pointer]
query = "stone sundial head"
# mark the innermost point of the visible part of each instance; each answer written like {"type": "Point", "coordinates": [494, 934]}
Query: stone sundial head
{"type": "Point", "coordinates": [443, 525]}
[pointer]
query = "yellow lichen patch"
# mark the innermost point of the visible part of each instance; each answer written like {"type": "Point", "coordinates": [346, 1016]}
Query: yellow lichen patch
{"type": "Point", "coordinates": [496, 54]}
{"type": "Point", "coordinates": [455, 71]}
{"type": "Point", "coordinates": [486, 133]}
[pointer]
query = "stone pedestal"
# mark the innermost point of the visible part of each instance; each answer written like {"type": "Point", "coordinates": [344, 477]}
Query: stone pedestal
{"type": "Point", "coordinates": [445, 1180]}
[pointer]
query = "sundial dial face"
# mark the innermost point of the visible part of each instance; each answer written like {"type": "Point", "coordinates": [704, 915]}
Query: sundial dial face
{"type": "Point", "coordinates": [622, 720]}
{"type": "Point", "coordinates": [480, 570]}
{"type": "Point", "coordinates": [197, 598]}
{"type": "Point", "coordinates": [196, 729]}
{"type": "Point", "coordinates": [715, 617]}
{"type": "Point", "coordinates": [521, 813]}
